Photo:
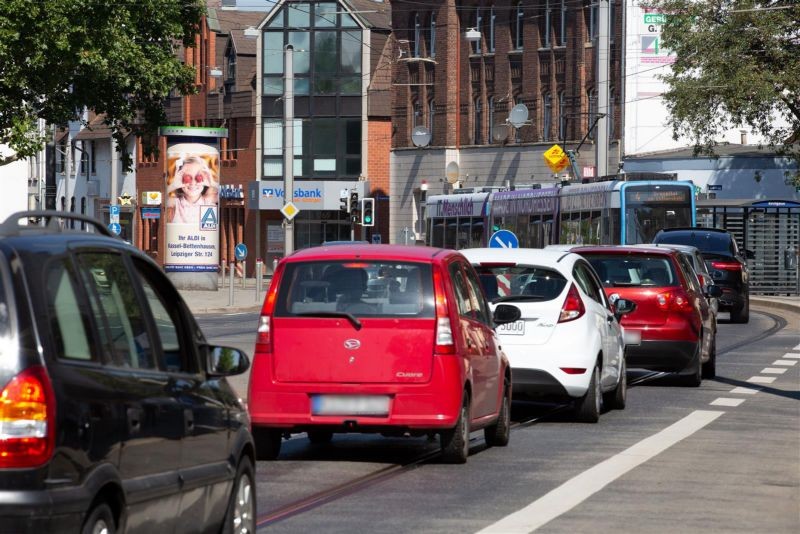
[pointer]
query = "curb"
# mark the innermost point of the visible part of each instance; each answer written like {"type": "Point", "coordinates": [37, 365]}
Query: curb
{"type": "Point", "coordinates": [777, 305]}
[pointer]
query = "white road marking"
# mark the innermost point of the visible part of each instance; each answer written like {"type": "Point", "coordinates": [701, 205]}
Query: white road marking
{"type": "Point", "coordinates": [502, 244]}
{"type": "Point", "coordinates": [761, 379]}
{"type": "Point", "coordinates": [773, 370]}
{"type": "Point", "coordinates": [791, 355]}
{"type": "Point", "coordinates": [579, 488]}
{"type": "Point", "coordinates": [724, 401]}
{"type": "Point", "coordinates": [797, 347]}
{"type": "Point", "coordinates": [746, 391]}
{"type": "Point", "coordinates": [787, 363]}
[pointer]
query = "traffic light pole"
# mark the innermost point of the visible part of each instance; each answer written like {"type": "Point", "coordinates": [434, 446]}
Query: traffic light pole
{"type": "Point", "coordinates": [288, 145]}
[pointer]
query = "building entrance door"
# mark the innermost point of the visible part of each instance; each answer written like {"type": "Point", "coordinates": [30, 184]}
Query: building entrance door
{"type": "Point", "coordinates": [312, 228]}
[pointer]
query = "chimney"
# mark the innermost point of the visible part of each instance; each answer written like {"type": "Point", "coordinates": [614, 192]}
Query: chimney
{"type": "Point", "coordinates": [743, 133]}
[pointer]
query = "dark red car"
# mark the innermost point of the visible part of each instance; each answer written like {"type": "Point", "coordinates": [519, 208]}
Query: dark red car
{"type": "Point", "coordinates": [672, 328]}
{"type": "Point", "coordinates": [379, 338]}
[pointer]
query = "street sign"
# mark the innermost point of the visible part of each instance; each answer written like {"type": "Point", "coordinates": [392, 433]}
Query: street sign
{"type": "Point", "coordinates": [113, 218]}
{"type": "Point", "coordinates": [503, 239]}
{"type": "Point", "coordinates": [555, 158]}
{"type": "Point", "coordinates": [113, 209]}
{"type": "Point", "coordinates": [115, 228]}
{"type": "Point", "coordinates": [240, 252]}
{"type": "Point", "coordinates": [289, 210]}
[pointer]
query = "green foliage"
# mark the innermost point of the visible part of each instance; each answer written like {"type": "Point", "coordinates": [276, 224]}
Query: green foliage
{"type": "Point", "coordinates": [738, 64]}
{"type": "Point", "coordinates": [115, 57]}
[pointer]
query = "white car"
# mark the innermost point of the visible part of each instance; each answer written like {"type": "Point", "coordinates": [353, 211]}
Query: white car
{"type": "Point", "coordinates": [568, 342]}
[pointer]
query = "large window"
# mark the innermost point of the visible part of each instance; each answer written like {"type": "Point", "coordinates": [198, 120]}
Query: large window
{"type": "Point", "coordinates": [562, 116]}
{"type": "Point", "coordinates": [547, 21]}
{"type": "Point", "coordinates": [548, 116]}
{"type": "Point", "coordinates": [478, 138]}
{"type": "Point", "coordinates": [476, 46]}
{"type": "Point", "coordinates": [519, 26]}
{"type": "Point", "coordinates": [592, 114]}
{"type": "Point", "coordinates": [492, 20]}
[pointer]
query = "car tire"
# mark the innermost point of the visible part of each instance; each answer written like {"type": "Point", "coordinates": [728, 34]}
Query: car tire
{"type": "Point", "coordinates": [617, 398]}
{"type": "Point", "coordinates": [455, 441]}
{"type": "Point", "coordinates": [320, 437]}
{"type": "Point", "coordinates": [100, 520]}
{"type": "Point", "coordinates": [588, 407]}
{"type": "Point", "coordinates": [695, 377]}
{"type": "Point", "coordinates": [498, 434]}
{"type": "Point", "coordinates": [268, 443]}
{"type": "Point", "coordinates": [742, 315]}
{"type": "Point", "coordinates": [240, 517]}
{"type": "Point", "coordinates": [710, 367]}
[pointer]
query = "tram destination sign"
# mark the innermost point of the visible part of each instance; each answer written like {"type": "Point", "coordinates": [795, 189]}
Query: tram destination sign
{"type": "Point", "coordinates": [658, 196]}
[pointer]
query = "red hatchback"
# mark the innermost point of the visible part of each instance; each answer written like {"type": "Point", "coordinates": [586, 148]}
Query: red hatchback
{"type": "Point", "coordinates": [379, 338]}
{"type": "Point", "coordinates": [672, 328]}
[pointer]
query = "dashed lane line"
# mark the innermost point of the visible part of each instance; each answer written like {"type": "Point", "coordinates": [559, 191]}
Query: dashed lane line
{"type": "Point", "coordinates": [724, 401]}
{"type": "Point", "coordinates": [761, 379]}
{"type": "Point", "coordinates": [774, 370]}
{"type": "Point", "coordinates": [745, 391]}
{"type": "Point", "coordinates": [797, 347]}
{"type": "Point", "coordinates": [787, 363]}
{"type": "Point", "coordinates": [579, 488]}
{"type": "Point", "coordinates": [791, 355]}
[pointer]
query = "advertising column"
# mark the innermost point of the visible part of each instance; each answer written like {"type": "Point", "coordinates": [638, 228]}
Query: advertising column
{"type": "Point", "coordinates": [192, 206]}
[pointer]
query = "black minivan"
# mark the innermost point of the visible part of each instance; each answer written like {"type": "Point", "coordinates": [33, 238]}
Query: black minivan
{"type": "Point", "coordinates": [725, 261]}
{"type": "Point", "coordinates": [115, 414]}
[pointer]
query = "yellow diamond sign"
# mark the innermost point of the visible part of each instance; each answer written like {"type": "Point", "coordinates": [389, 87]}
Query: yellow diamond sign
{"type": "Point", "coordinates": [289, 210]}
{"type": "Point", "coordinates": [556, 159]}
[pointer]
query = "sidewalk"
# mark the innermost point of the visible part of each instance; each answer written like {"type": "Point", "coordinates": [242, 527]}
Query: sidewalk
{"type": "Point", "coordinates": [245, 298]}
{"type": "Point", "coordinates": [791, 304]}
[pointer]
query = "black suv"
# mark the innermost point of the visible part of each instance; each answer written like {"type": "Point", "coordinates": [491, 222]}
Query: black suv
{"type": "Point", "coordinates": [115, 414]}
{"type": "Point", "coordinates": [725, 262]}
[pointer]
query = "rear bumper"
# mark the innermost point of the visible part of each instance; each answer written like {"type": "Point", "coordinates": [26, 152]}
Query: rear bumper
{"type": "Point", "coordinates": [41, 511]}
{"type": "Point", "coordinates": [670, 356]}
{"type": "Point", "coordinates": [533, 383]}
{"type": "Point", "coordinates": [731, 299]}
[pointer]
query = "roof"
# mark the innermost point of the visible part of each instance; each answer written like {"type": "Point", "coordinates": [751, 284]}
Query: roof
{"type": "Point", "coordinates": [527, 256]}
{"type": "Point", "coordinates": [368, 252]}
{"type": "Point", "coordinates": [233, 23]}
{"type": "Point", "coordinates": [96, 129]}
{"type": "Point", "coordinates": [628, 249]}
{"type": "Point", "coordinates": [725, 150]}
{"type": "Point", "coordinates": [374, 14]}
{"type": "Point", "coordinates": [380, 86]}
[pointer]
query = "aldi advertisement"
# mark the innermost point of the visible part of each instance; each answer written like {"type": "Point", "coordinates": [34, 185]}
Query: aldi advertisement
{"type": "Point", "coordinates": [192, 199]}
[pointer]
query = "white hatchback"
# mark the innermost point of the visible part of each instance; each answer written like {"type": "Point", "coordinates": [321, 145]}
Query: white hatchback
{"type": "Point", "coordinates": [568, 342]}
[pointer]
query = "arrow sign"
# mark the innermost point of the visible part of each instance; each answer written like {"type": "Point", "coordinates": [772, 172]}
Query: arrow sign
{"type": "Point", "coordinates": [503, 239]}
{"type": "Point", "coordinates": [240, 252]}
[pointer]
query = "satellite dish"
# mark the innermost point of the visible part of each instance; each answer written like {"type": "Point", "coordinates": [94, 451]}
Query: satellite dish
{"type": "Point", "coordinates": [518, 116]}
{"type": "Point", "coordinates": [500, 132]}
{"type": "Point", "coordinates": [452, 172]}
{"type": "Point", "coordinates": [420, 136]}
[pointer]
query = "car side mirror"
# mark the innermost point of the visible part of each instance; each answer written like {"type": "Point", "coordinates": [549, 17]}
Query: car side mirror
{"type": "Point", "coordinates": [713, 291]}
{"type": "Point", "coordinates": [623, 307]}
{"type": "Point", "coordinates": [506, 313]}
{"type": "Point", "coordinates": [227, 361]}
{"type": "Point", "coordinates": [749, 254]}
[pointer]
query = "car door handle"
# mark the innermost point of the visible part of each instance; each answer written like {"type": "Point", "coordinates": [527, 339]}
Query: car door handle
{"type": "Point", "coordinates": [610, 318]}
{"type": "Point", "coordinates": [188, 418]}
{"type": "Point", "coordinates": [134, 420]}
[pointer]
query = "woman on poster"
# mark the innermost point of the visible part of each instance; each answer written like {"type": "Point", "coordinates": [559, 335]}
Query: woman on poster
{"type": "Point", "coordinates": [192, 186]}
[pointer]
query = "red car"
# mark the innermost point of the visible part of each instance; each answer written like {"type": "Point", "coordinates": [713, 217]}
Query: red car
{"type": "Point", "coordinates": [672, 328]}
{"type": "Point", "coordinates": [379, 338]}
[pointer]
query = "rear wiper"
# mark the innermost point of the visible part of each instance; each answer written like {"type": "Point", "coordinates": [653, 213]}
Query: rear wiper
{"type": "Point", "coordinates": [350, 317]}
{"type": "Point", "coordinates": [625, 284]}
{"type": "Point", "coordinates": [518, 298]}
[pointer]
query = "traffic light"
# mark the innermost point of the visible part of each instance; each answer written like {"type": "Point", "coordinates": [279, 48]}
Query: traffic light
{"type": "Point", "coordinates": [355, 213]}
{"type": "Point", "coordinates": [344, 204]}
{"type": "Point", "coordinates": [368, 212]}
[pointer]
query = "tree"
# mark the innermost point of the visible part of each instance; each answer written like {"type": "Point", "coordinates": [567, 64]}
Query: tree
{"type": "Point", "coordinates": [737, 63]}
{"type": "Point", "coordinates": [115, 57]}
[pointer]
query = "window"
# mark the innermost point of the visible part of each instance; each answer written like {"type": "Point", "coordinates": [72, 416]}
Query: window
{"type": "Point", "coordinates": [478, 121]}
{"type": "Point", "coordinates": [416, 114]}
{"type": "Point", "coordinates": [84, 158]}
{"type": "Point", "coordinates": [612, 12]}
{"type": "Point", "coordinates": [69, 320]}
{"type": "Point", "coordinates": [93, 156]}
{"type": "Point", "coordinates": [517, 132]}
{"type": "Point", "coordinates": [230, 68]}
{"type": "Point", "coordinates": [491, 119]}
{"type": "Point", "coordinates": [519, 27]}
{"type": "Point", "coordinates": [548, 116]}
{"type": "Point", "coordinates": [587, 282]}
{"type": "Point", "coordinates": [562, 116]}
{"type": "Point", "coordinates": [592, 24]}
{"type": "Point", "coordinates": [562, 26]}
{"type": "Point", "coordinates": [610, 110]}
{"type": "Point", "coordinates": [431, 115]}
{"type": "Point", "coordinates": [548, 15]}
{"type": "Point", "coordinates": [592, 112]}
{"type": "Point", "coordinates": [461, 290]}
{"type": "Point", "coordinates": [432, 44]}
{"type": "Point", "coordinates": [477, 298]}
{"type": "Point", "coordinates": [417, 36]}
{"type": "Point", "coordinates": [476, 46]}
{"type": "Point", "coordinates": [492, 20]}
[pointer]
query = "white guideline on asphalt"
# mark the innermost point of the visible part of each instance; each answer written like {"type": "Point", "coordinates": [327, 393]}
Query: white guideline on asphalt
{"type": "Point", "coordinates": [746, 391]}
{"type": "Point", "coordinates": [761, 379]}
{"type": "Point", "coordinates": [787, 363]}
{"type": "Point", "coordinates": [579, 488]}
{"type": "Point", "coordinates": [724, 401]}
{"type": "Point", "coordinates": [791, 355]}
{"type": "Point", "coordinates": [773, 370]}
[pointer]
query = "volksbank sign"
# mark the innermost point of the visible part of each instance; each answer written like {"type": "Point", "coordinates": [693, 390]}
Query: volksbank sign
{"type": "Point", "coordinates": [308, 195]}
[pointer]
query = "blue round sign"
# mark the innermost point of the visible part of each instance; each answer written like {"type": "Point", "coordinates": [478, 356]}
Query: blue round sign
{"type": "Point", "coordinates": [115, 228]}
{"type": "Point", "coordinates": [503, 239]}
{"type": "Point", "coordinates": [240, 252]}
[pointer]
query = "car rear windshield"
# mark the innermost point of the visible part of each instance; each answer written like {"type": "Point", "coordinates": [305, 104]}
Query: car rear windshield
{"type": "Point", "coordinates": [360, 288]}
{"type": "Point", "coordinates": [634, 270]}
{"type": "Point", "coordinates": [707, 242]}
{"type": "Point", "coordinates": [520, 283]}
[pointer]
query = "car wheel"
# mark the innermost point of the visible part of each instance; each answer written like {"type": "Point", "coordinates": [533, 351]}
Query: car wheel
{"type": "Point", "coordinates": [320, 437]}
{"type": "Point", "coordinates": [618, 398]}
{"type": "Point", "coordinates": [100, 520]}
{"type": "Point", "coordinates": [742, 315]}
{"type": "Point", "coordinates": [710, 367]}
{"type": "Point", "coordinates": [695, 377]}
{"type": "Point", "coordinates": [240, 517]}
{"type": "Point", "coordinates": [588, 407]}
{"type": "Point", "coordinates": [455, 441]}
{"type": "Point", "coordinates": [268, 443]}
{"type": "Point", "coordinates": [498, 434]}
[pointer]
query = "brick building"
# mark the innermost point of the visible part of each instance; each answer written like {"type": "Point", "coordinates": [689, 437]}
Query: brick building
{"type": "Point", "coordinates": [537, 53]}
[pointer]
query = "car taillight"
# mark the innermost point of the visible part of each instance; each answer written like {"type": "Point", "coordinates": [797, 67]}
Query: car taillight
{"type": "Point", "coordinates": [573, 370]}
{"type": "Point", "coordinates": [727, 265]}
{"type": "Point", "coordinates": [27, 420]}
{"type": "Point", "coordinates": [573, 306]}
{"type": "Point", "coordinates": [264, 331]}
{"type": "Point", "coordinates": [675, 300]}
{"type": "Point", "coordinates": [444, 330]}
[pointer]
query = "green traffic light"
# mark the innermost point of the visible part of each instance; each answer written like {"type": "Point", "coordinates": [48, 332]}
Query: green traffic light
{"type": "Point", "coordinates": [367, 219]}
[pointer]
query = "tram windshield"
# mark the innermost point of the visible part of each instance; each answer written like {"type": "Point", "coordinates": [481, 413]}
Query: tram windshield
{"type": "Point", "coordinates": [649, 209]}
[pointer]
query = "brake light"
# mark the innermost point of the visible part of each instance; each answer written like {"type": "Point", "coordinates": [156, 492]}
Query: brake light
{"type": "Point", "coordinates": [573, 306]}
{"type": "Point", "coordinates": [573, 370]}
{"type": "Point", "coordinates": [676, 300]}
{"type": "Point", "coordinates": [264, 331]}
{"type": "Point", "coordinates": [27, 420]}
{"type": "Point", "coordinates": [444, 330]}
{"type": "Point", "coordinates": [727, 265]}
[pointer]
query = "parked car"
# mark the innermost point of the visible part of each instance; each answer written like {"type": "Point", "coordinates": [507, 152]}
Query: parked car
{"type": "Point", "coordinates": [673, 328]}
{"type": "Point", "coordinates": [568, 342]}
{"type": "Point", "coordinates": [420, 356]}
{"type": "Point", "coordinates": [725, 261]}
{"type": "Point", "coordinates": [698, 265]}
{"type": "Point", "coordinates": [115, 414]}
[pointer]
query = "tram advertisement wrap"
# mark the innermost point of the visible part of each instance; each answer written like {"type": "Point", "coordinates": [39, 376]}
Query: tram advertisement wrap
{"type": "Point", "coordinates": [192, 201]}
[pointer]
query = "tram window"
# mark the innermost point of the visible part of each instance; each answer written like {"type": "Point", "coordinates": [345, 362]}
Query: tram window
{"type": "Point", "coordinates": [450, 233]}
{"type": "Point", "coordinates": [476, 233]}
{"type": "Point", "coordinates": [437, 233]}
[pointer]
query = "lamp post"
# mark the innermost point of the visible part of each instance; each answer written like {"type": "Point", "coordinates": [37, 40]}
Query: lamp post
{"type": "Point", "coordinates": [288, 143]}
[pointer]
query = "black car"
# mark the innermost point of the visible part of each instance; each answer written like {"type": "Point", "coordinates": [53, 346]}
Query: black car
{"type": "Point", "coordinates": [726, 263]}
{"type": "Point", "coordinates": [115, 413]}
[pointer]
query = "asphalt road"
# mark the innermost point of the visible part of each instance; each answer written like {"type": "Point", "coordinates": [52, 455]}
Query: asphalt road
{"type": "Point", "coordinates": [724, 457]}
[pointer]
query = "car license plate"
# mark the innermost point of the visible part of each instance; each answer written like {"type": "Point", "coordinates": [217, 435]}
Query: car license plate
{"type": "Point", "coordinates": [516, 328]}
{"type": "Point", "coordinates": [632, 337]}
{"type": "Point", "coordinates": [377, 405]}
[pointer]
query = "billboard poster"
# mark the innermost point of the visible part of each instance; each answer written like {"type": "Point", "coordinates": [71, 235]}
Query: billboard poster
{"type": "Point", "coordinates": [191, 200]}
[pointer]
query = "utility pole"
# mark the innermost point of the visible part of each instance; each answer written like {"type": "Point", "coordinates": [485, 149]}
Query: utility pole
{"type": "Point", "coordinates": [288, 144]}
{"type": "Point", "coordinates": [603, 62]}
